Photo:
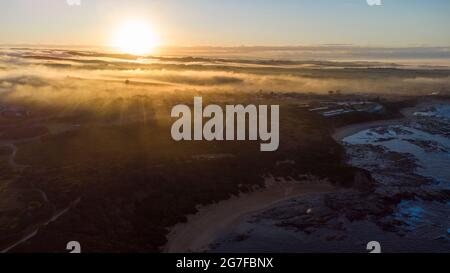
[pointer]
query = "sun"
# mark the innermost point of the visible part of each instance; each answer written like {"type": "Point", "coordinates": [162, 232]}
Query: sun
{"type": "Point", "coordinates": [135, 37]}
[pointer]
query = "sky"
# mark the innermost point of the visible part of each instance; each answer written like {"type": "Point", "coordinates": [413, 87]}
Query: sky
{"type": "Point", "coordinates": [396, 23]}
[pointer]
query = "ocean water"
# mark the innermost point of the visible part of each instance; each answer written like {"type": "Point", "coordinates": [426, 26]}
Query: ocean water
{"type": "Point", "coordinates": [427, 139]}
{"type": "Point", "coordinates": [439, 111]}
{"type": "Point", "coordinates": [431, 150]}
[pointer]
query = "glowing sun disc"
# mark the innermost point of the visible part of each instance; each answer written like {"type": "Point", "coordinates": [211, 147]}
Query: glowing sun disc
{"type": "Point", "coordinates": [135, 38]}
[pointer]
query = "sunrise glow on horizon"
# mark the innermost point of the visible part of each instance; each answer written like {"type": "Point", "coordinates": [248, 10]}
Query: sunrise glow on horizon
{"type": "Point", "coordinates": [136, 38]}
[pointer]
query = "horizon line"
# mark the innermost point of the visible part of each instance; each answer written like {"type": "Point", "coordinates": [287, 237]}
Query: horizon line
{"type": "Point", "coordinates": [242, 46]}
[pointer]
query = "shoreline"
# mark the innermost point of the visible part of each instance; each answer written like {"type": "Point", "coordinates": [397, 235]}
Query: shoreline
{"type": "Point", "coordinates": [197, 233]}
{"type": "Point", "coordinates": [408, 113]}
{"type": "Point", "coordinates": [346, 131]}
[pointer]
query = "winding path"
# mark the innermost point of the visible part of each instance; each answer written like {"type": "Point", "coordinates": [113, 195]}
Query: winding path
{"type": "Point", "coordinates": [33, 231]}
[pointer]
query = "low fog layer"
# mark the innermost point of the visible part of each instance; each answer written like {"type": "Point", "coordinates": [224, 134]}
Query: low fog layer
{"type": "Point", "coordinates": [69, 76]}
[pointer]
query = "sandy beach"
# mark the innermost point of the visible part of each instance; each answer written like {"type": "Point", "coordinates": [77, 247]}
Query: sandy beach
{"type": "Point", "coordinates": [203, 228]}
